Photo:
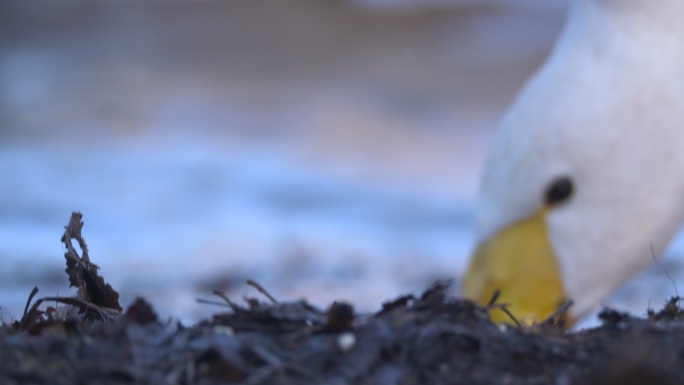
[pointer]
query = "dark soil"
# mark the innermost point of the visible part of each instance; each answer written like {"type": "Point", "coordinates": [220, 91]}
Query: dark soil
{"type": "Point", "coordinates": [432, 339]}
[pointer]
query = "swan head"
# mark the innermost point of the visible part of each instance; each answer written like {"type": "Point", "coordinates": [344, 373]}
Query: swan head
{"type": "Point", "coordinates": [585, 176]}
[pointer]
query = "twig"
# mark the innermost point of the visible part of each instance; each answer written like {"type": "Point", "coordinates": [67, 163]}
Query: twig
{"type": "Point", "coordinates": [230, 303]}
{"type": "Point", "coordinates": [210, 302]}
{"type": "Point", "coordinates": [105, 313]}
{"type": "Point", "coordinates": [558, 314]}
{"type": "Point", "coordinates": [262, 291]}
{"type": "Point", "coordinates": [664, 270]}
{"type": "Point", "coordinates": [30, 298]}
{"type": "Point", "coordinates": [495, 297]}
{"type": "Point", "coordinates": [502, 306]}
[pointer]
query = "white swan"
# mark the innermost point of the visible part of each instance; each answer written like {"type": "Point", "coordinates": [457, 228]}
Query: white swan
{"type": "Point", "coordinates": [586, 171]}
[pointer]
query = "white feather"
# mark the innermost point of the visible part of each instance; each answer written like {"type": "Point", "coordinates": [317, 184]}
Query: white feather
{"type": "Point", "coordinates": [607, 110]}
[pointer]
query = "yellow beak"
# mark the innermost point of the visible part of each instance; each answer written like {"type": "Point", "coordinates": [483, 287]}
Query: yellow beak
{"type": "Point", "coordinates": [519, 262]}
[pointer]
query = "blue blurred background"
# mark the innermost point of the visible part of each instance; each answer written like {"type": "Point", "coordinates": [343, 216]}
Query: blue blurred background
{"type": "Point", "coordinates": [325, 149]}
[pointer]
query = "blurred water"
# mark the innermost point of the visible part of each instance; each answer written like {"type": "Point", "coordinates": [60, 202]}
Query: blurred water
{"type": "Point", "coordinates": [327, 150]}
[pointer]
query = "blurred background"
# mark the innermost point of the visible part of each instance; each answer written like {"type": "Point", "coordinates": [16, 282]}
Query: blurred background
{"type": "Point", "coordinates": [328, 150]}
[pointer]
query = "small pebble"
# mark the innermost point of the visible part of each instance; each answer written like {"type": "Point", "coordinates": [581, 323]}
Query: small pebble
{"type": "Point", "coordinates": [346, 341]}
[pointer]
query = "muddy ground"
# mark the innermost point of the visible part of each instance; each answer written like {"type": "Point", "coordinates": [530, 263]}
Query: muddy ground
{"type": "Point", "coordinates": [431, 339]}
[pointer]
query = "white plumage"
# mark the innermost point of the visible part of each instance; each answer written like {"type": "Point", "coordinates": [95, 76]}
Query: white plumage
{"type": "Point", "coordinates": [607, 111]}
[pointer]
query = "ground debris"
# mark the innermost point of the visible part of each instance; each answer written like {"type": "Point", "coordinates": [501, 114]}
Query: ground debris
{"type": "Point", "coordinates": [82, 273]}
{"type": "Point", "coordinates": [428, 339]}
{"type": "Point", "coordinates": [95, 300]}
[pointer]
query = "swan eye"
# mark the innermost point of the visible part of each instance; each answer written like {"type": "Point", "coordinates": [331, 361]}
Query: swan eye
{"type": "Point", "coordinates": [559, 191]}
